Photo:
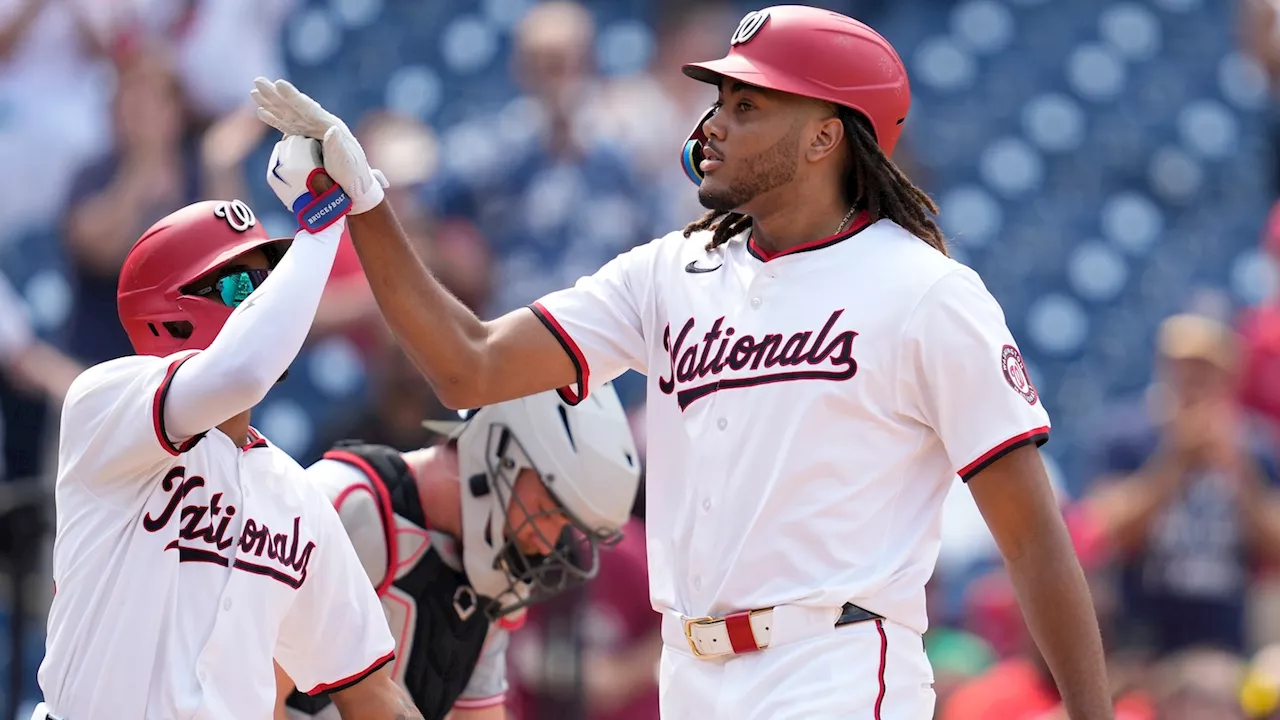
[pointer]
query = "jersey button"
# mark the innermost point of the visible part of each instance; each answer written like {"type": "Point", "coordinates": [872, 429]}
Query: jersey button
{"type": "Point", "coordinates": [706, 505]}
{"type": "Point", "coordinates": [226, 604]}
{"type": "Point", "coordinates": [697, 583]}
{"type": "Point", "coordinates": [722, 423]}
{"type": "Point", "coordinates": [755, 302]}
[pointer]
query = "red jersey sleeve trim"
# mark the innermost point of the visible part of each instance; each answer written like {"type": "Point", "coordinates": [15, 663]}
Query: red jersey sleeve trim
{"type": "Point", "coordinates": [157, 412]}
{"type": "Point", "coordinates": [343, 684]}
{"type": "Point", "coordinates": [1039, 436]}
{"type": "Point", "coordinates": [571, 348]}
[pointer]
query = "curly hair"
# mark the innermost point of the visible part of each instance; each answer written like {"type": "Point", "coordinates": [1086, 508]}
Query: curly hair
{"type": "Point", "coordinates": [872, 183]}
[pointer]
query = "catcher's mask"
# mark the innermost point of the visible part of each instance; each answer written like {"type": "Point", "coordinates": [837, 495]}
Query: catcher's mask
{"type": "Point", "coordinates": [585, 460]}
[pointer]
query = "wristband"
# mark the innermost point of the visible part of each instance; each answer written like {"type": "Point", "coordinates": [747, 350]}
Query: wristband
{"type": "Point", "coordinates": [317, 212]}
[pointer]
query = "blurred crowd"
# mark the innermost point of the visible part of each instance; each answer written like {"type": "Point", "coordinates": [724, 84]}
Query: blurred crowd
{"type": "Point", "coordinates": [114, 113]}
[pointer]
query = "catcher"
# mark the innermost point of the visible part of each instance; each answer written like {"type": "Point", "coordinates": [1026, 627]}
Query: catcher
{"type": "Point", "coordinates": [458, 539]}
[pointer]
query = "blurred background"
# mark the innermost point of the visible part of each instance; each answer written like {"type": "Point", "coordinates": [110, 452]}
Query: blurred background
{"type": "Point", "coordinates": [1108, 167]}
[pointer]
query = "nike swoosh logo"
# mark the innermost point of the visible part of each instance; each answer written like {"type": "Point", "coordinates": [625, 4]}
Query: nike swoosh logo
{"type": "Point", "coordinates": [692, 267]}
{"type": "Point", "coordinates": [274, 170]}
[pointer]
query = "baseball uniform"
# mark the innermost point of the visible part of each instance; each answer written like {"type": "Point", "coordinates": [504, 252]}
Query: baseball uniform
{"type": "Point", "coordinates": [184, 562]}
{"type": "Point", "coordinates": [807, 412]}
{"type": "Point", "coordinates": [448, 654]}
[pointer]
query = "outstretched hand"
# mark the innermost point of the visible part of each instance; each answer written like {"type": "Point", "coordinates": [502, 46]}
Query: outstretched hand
{"type": "Point", "coordinates": [289, 110]}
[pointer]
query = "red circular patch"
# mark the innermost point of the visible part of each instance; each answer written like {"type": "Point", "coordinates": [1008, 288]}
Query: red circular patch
{"type": "Point", "coordinates": [1015, 373]}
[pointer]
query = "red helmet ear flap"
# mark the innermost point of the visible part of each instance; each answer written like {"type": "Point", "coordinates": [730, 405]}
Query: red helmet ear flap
{"type": "Point", "coordinates": [691, 155]}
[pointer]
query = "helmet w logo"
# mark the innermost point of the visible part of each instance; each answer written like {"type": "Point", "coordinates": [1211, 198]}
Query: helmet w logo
{"type": "Point", "coordinates": [749, 26]}
{"type": "Point", "coordinates": [237, 214]}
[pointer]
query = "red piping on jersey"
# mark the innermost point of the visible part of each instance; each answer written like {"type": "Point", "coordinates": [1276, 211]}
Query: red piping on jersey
{"type": "Point", "coordinates": [255, 440]}
{"type": "Point", "coordinates": [384, 507]}
{"type": "Point", "coordinates": [859, 223]}
{"type": "Point", "coordinates": [157, 412]}
{"type": "Point", "coordinates": [571, 348]}
{"type": "Point", "coordinates": [1038, 436]}
{"type": "Point", "coordinates": [884, 660]}
{"type": "Point", "coordinates": [353, 679]}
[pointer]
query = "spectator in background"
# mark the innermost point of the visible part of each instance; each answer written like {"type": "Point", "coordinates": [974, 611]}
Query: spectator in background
{"type": "Point", "coordinates": [398, 401]}
{"type": "Point", "coordinates": [1186, 496]}
{"type": "Point", "coordinates": [1020, 686]}
{"type": "Point", "coordinates": [198, 35]}
{"type": "Point", "coordinates": [54, 94]}
{"type": "Point", "coordinates": [1199, 684]}
{"type": "Point", "coordinates": [553, 202]}
{"type": "Point", "coordinates": [649, 114]}
{"type": "Point", "coordinates": [158, 165]}
{"type": "Point", "coordinates": [29, 363]}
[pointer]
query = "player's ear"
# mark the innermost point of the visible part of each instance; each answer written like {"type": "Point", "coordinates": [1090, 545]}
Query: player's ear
{"type": "Point", "coordinates": [825, 138]}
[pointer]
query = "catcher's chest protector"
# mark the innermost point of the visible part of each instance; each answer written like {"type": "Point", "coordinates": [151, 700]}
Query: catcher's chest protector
{"type": "Point", "coordinates": [447, 622]}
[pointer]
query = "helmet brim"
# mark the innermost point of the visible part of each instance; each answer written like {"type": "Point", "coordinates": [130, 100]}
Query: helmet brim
{"type": "Point", "coordinates": [734, 66]}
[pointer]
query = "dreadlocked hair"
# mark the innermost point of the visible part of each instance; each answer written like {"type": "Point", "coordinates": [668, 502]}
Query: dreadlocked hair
{"type": "Point", "coordinates": [872, 183]}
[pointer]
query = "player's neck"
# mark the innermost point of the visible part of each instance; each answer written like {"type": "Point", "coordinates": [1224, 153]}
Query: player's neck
{"type": "Point", "coordinates": [237, 428]}
{"type": "Point", "coordinates": [436, 471]}
{"type": "Point", "coordinates": [790, 223]}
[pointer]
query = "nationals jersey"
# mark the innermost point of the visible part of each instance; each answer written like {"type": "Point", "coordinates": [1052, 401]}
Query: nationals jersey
{"type": "Point", "coordinates": [806, 411]}
{"type": "Point", "coordinates": [182, 571]}
{"type": "Point", "coordinates": [448, 655]}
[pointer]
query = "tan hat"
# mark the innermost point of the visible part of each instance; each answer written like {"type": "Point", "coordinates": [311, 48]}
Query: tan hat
{"type": "Point", "coordinates": [1197, 337]}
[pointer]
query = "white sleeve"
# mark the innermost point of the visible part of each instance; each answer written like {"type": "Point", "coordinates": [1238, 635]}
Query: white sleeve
{"type": "Point", "coordinates": [488, 684]}
{"type": "Point", "coordinates": [963, 376]}
{"type": "Point", "coordinates": [112, 435]}
{"type": "Point", "coordinates": [259, 341]}
{"type": "Point", "coordinates": [335, 633]}
{"type": "Point", "coordinates": [600, 321]}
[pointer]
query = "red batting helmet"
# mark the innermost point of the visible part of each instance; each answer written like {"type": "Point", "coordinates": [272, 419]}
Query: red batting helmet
{"type": "Point", "coordinates": [815, 53]}
{"type": "Point", "coordinates": [179, 249]}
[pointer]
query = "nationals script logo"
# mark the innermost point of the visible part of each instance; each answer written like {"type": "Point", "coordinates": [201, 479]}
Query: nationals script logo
{"type": "Point", "coordinates": [202, 534]}
{"type": "Point", "coordinates": [735, 352]}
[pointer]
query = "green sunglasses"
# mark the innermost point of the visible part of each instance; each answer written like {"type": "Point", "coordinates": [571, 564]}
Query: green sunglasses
{"type": "Point", "coordinates": [234, 286]}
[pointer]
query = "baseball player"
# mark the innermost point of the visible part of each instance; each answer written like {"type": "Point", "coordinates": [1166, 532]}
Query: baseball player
{"type": "Point", "coordinates": [531, 471]}
{"type": "Point", "coordinates": [819, 370]}
{"type": "Point", "coordinates": [189, 551]}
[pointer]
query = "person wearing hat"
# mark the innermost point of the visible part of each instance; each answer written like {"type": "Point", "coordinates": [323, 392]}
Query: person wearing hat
{"type": "Point", "coordinates": [1185, 494]}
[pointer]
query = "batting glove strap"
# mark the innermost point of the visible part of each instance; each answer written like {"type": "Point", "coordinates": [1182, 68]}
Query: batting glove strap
{"type": "Point", "coordinates": [317, 212]}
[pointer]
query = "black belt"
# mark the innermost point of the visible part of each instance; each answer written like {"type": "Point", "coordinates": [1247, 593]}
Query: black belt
{"type": "Point", "coordinates": [850, 614]}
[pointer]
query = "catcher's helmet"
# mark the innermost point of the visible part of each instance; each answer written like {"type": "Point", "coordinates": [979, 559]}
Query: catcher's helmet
{"type": "Point", "coordinates": [815, 53]}
{"type": "Point", "coordinates": [185, 246]}
{"type": "Point", "coordinates": [586, 458]}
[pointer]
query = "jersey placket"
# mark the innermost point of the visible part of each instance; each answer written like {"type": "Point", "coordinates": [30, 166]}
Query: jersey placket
{"type": "Point", "coordinates": [720, 446]}
{"type": "Point", "coordinates": [229, 621]}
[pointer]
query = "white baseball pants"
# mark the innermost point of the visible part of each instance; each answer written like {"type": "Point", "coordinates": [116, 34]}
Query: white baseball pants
{"type": "Point", "coordinates": [872, 670]}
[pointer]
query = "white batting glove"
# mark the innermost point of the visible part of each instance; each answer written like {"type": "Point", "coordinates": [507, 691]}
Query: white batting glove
{"type": "Point", "coordinates": [287, 109]}
{"type": "Point", "coordinates": [296, 162]}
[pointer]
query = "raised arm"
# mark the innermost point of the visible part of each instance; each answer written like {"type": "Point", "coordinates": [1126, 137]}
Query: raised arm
{"type": "Point", "coordinates": [469, 362]}
{"type": "Point", "coordinates": [264, 334]}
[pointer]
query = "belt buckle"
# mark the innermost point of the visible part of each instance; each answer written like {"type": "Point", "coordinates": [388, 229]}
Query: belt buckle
{"type": "Point", "coordinates": [688, 632]}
